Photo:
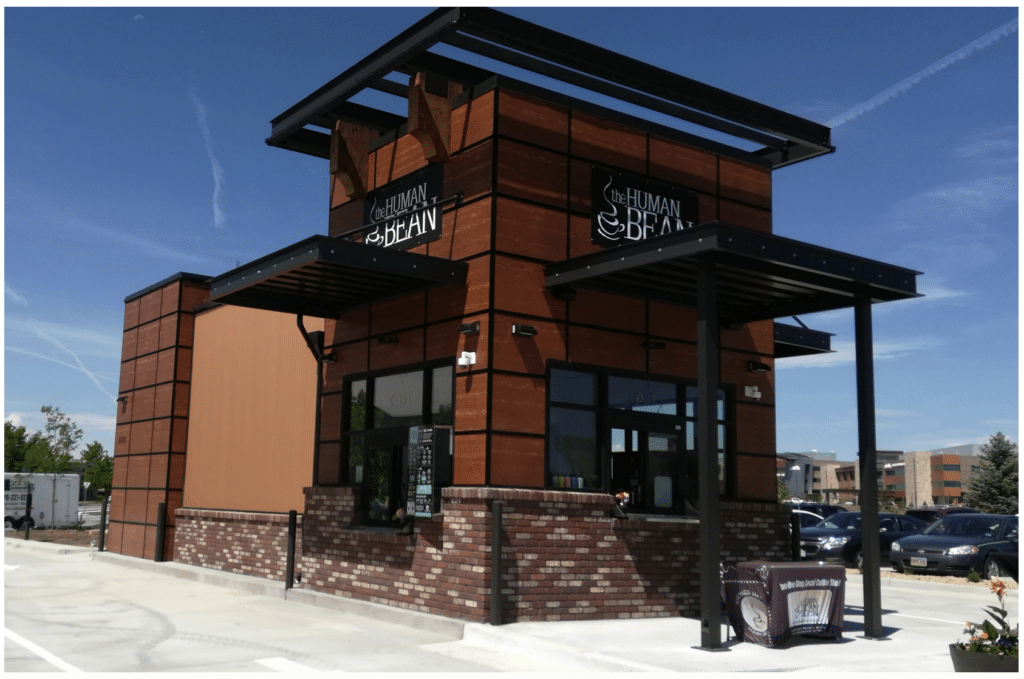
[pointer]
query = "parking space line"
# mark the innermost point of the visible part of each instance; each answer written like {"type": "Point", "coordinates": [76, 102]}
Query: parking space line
{"type": "Point", "coordinates": [284, 665]}
{"type": "Point", "coordinates": [42, 653]}
{"type": "Point", "coordinates": [918, 617]}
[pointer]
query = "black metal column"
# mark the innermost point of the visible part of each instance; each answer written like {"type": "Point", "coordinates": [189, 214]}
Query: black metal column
{"type": "Point", "coordinates": [868, 468]}
{"type": "Point", "coordinates": [289, 566]}
{"type": "Point", "coordinates": [708, 357]}
{"type": "Point", "coordinates": [161, 529]}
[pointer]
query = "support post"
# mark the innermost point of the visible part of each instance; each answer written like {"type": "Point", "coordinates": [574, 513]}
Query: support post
{"type": "Point", "coordinates": [161, 521]}
{"type": "Point", "coordinates": [707, 458]}
{"type": "Point", "coordinates": [27, 521]}
{"type": "Point", "coordinates": [496, 510]}
{"type": "Point", "coordinates": [289, 568]}
{"type": "Point", "coordinates": [794, 532]}
{"type": "Point", "coordinates": [103, 523]}
{"type": "Point", "coordinates": [871, 549]}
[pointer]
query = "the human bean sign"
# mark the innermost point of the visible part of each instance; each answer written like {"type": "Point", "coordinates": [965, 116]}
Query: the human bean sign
{"type": "Point", "coordinates": [406, 212]}
{"type": "Point", "coordinates": [626, 208]}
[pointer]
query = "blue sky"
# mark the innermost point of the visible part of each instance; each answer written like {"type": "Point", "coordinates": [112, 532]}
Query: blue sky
{"type": "Point", "coordinates": [134, 149]}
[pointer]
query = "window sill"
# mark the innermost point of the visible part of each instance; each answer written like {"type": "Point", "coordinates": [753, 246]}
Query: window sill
{"type": "Point", "coordinates": [662, 518]}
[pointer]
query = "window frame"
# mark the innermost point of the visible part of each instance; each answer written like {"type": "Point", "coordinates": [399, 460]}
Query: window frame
{"type": "Point", "coordinates": [607, 416]}
{"type": "Point", "coordinates": [397, 472]}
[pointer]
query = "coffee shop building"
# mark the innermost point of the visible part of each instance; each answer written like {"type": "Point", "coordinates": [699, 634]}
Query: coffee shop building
{"type": "Point", "coordinates": [525, 371]}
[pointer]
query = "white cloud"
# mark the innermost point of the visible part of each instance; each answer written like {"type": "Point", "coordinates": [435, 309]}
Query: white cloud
{"type": "Point", "coordinates": [12, 294]}
{"type": "Point", "coordinates": [997, 146]}
{"type": "Point", "coordinates": [844, 352]}
{"type": "Point", "coordinates": [963, 204]}
{"type": "Point", "coordinates": [90, 341]}
{"type": "Point", "coordinates": [219, 178]}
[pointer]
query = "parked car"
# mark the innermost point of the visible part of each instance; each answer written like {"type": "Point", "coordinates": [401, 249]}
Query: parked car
{"type": "Point", "coordinates": [820, 508]}
{"type": "Point", "coordinates": [837, 539]}
{"type": "Point", "coordinates": [957, 543]}
{"type": "Point", "coordinates": [929, 514]}
{"type": "Point", "coordinates": [807, 519]}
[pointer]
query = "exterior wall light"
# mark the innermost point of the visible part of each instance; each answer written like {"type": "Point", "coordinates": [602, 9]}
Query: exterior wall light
{"type": "Point", "coordinates": [469, 328]}
{"type": "Point", "coordinates": [467, 359]}
{"type": "Point", "coordinates": [758, 367]}
{"type": "Point", "coordinates": [564, 293]}
{"type": "Point", "coordinates": [523, 330]}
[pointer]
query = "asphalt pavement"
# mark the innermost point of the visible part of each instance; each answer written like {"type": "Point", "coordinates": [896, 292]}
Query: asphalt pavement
{"type": "Point", "coordinates": [919, 619]}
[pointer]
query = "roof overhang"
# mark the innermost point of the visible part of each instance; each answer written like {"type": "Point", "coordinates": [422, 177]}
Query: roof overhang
{"type": "Point", "coordinates": [759, 276]}
{"type": "Point", "coordinates": [767, 136]}
{"type": "Point", "coordinates": [799, 340]}
{"type": "Point", "coordinates": [323, 277]}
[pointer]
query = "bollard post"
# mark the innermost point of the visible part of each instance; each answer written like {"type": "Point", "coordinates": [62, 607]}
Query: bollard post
{"type": "Point", "coordinates": [289, 570]}
{"type": "Point", "coordinates": [103, 524]}
{"type": "Point", "coordinates": [27, 521]}
{"type": "Point", "coordinates": [161, 519]}
{"type": "Point", "coordinates": [496, 508]}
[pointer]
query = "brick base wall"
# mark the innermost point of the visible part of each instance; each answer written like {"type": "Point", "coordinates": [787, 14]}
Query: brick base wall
{"type": "Point", "coordinates": [564, 557]}
{"type": "Point", "coordinates": [249, 543]}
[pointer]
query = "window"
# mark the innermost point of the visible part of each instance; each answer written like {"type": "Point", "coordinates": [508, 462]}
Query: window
{"type": "Point", "coordinates": [614, 432]}
{"type": "Point", "coordinates": [375, 440]}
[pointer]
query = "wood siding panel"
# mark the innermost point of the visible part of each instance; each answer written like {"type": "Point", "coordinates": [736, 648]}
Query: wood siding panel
{"type": "Point", "coordinates": [472, 122]}
{"type": "Point", "coordinates": [534, 121]}
{"type": "Point", "coordinates": [471, 402]}
{"type": "Point", "coordinates": [465, 232]}
{"type": "Point", "coordinates": [455, 301]}
{"type": "Point", "coordinates": [531, 173]}
{"type": "Point", "coordinates": [250, 430]}
{"type": "Point", "coordinates": [531, 231]}
{"type": "Point", "coordinates": [470, 463]}
{"type": "Point", "coordinates": [608, 143]}
{"type": "Point", "coordinates": [470, 172]}
{"type": "Point", "coordinates": [517, 461]}
{"type": "Point", "coordinates": [518, 403]}
{"type": "Point", "coordinates": [526, 354]}
{"type": "Point", "coordinates": [606, 348]}
{"type": "Point", "coordinates": [745, 183]}
{"type": "Point", "coordinates": [745, 215]}
{"type": "Point", "coordinates": [682, 165]}
{"type": "Point", "coordinates": [593, 308]}
{"type": "Point", "coordinates": [398, 313]}
{"type": "Point", "coordinates": [519, 287]}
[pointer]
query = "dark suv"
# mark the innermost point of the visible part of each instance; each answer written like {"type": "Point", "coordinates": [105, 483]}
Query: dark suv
{"type": "Point", "coordinates": [929, 514]}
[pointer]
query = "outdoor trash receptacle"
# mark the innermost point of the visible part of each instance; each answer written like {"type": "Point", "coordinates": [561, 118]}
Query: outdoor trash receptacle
{"type": "Point", "coordinates": [768, 602]}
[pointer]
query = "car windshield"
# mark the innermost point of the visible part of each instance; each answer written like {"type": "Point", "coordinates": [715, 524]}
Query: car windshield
{"type": "Point", "coordinates": [843, 521]}
{"type": "Point", "coordinates": [965, 525]}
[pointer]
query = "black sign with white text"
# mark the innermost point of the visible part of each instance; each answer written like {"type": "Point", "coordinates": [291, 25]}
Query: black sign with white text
{"type": "Point", "coordinates": [626, 208]}
{"type": "Point", "coordinates": [406, 211]}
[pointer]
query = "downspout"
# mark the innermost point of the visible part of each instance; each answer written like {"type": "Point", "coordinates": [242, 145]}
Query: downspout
{"type": "Point", "coordinates": [316, 348]}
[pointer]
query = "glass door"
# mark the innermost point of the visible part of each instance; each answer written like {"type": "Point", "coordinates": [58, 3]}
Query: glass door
{"type": "Point", "coordinates": [651, 466]}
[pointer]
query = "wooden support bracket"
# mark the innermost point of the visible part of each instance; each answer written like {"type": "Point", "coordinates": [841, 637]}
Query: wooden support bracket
{"type": "Point", "coordinates": [350, 150]}
{"type": "Point", "coordinates": [430, 116]}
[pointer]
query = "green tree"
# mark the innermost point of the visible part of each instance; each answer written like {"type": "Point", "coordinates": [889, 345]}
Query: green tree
{"type": "Point", "coordinates": [99, 471]}
{"type": "Point", "coordinates": [994, 488]}
{"type": "Point", "coordinates": [782, 492]}
{"type": "Point", "coordinates": [19, 448]}
{"type": "Point", "coordinates": [61, 436]}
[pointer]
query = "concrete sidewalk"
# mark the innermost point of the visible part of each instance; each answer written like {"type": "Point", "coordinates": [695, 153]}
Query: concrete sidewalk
{"type": "Point", "coordinates": [920, 621]}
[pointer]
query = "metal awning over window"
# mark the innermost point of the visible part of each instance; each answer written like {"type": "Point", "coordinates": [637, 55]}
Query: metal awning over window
{"type": "Point", "coordinates": [323, 276]}
{"type": "Point", "coordinates": [760, 276]}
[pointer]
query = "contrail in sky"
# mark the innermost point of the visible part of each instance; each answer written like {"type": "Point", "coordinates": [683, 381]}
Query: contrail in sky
{"type": "Point", "coordinates": [81, 366]}
{"type": "Point", "coordinates": [904, 85]}
{"type": "Point", "coordinates": [218, 172]}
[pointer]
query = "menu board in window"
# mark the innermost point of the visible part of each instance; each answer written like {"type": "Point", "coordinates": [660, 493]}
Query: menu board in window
{"type": "Point", "coordinates": [429, 467]}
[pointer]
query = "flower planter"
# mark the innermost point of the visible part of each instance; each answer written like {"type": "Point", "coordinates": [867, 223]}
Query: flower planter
{"type": "Point", "coordinates": [971, 661]}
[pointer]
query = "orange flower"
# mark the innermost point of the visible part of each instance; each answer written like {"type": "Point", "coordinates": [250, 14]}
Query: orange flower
{"type": "Point", "coordinates": [997, 586]}
{"type": "Point", "coordinates": [984, 635]}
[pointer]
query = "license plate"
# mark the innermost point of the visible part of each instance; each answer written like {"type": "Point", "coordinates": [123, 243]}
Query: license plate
{"type": "Point", "coordinates": [918, 562]}
{"type": "Point", "coordinates": [803, 553]}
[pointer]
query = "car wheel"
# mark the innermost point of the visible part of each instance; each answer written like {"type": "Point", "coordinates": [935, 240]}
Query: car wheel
{"type": "Point", "coordinates": [858, 560]}
{"type": "Point", "coordinates": [992, 568]}
{"type": "Point", "coordinates": [897, 566]}
{"type": "Point", "coordinates": [8, 524]}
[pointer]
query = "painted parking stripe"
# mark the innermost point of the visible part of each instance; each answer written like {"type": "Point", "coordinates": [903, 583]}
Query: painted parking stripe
{"type": "Point", "coordinates": [918, 617]}
{"type": "Point", "coordinates": [42, 653]}
{"type": "Point", "coordinates": [284, 665]}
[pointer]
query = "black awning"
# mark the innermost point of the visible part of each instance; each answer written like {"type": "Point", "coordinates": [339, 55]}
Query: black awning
{"type": "Point", "coordinates": [760, 276]}
{"type": "Point", "coordinates": [323, 276]}
{"type": "Point", "coordinates": [799, 340]}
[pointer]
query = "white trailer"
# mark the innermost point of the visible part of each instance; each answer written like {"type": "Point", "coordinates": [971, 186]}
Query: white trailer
{"type": "Point", "coordinates": [54, 499]}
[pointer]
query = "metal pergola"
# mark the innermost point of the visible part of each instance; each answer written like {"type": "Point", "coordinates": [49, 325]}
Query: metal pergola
{"type": "Point", "coordinates": [783, 138]}
{"type": "Point", "coordinates": [734, 275]}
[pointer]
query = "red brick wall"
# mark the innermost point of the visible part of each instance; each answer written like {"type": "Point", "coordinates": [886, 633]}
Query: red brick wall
{"type": "Point", "coordinates": [563, 556]}
{"type": "Point", "coordinates": [249, 543]}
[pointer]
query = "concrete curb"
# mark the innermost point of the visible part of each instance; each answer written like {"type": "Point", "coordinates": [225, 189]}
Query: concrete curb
{"type": "Point", "coordinates": [49, 547]}
{"type": "Point", "coordinates": [858, 581]}
{"type": "Point", "coordinates": [275, 588]}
